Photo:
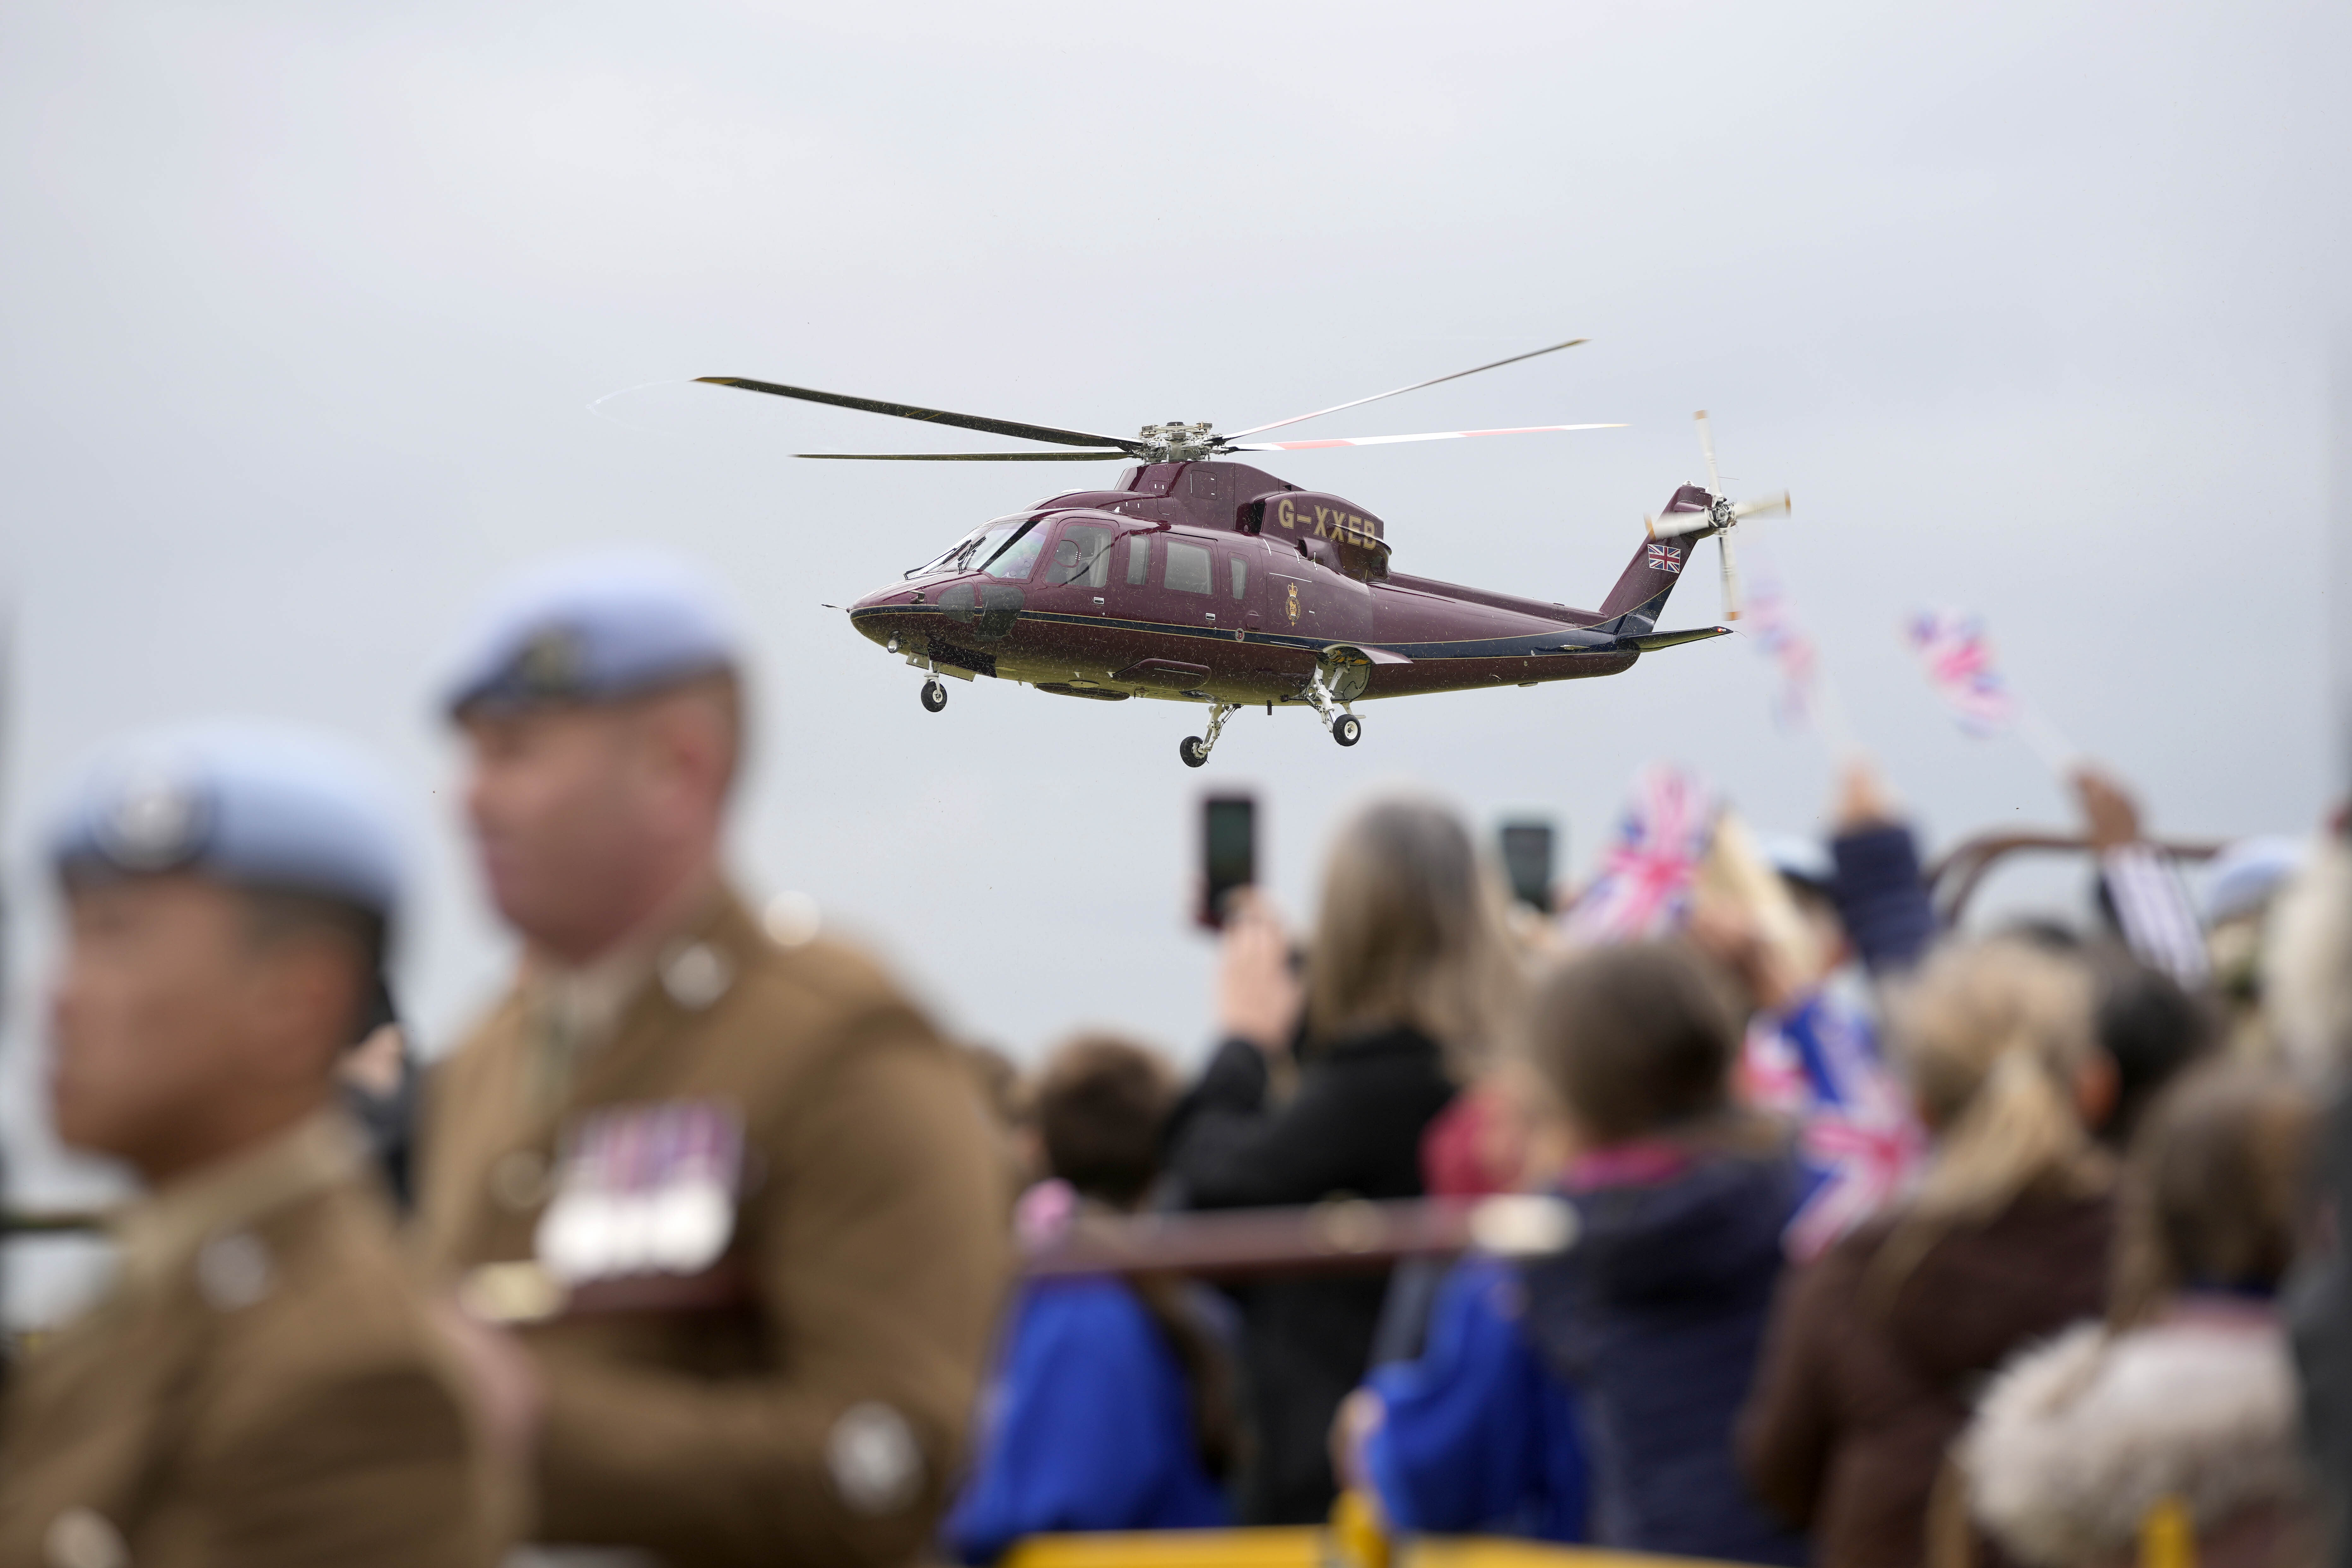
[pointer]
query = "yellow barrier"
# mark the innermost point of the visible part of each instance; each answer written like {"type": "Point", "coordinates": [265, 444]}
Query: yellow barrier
{"type": "Point", "coordinates": [1304, 1547]}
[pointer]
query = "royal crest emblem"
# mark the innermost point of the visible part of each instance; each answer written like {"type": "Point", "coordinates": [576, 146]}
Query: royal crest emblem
{"type": "Point", "coordinates": [1290, 604]}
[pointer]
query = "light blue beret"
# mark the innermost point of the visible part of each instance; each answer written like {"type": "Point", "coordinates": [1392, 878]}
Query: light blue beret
{"type": "Point", "coordinates": [593, 629]}
{"type": "Point", "coordinates": [251, 805]}
{"type": "Point", "coordinates": [2242, 879]}
{"type": "Point", "coordinates": [1799, 858]}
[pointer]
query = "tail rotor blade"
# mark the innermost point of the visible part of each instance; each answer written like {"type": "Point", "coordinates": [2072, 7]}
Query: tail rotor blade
{"type": "Point", "coordinates": [1730, 576]}
{"type": "Point", "coordinates": [1706, 450]}
{"type": "Point", "coordinates": [1763, 506]}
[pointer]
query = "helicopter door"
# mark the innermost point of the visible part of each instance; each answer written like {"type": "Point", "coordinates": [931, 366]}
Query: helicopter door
{"type": "Point", "coordinates": [1081, 559]}
{"type": "Point", "coordinates": [1188, 572]}
{"type": "Point", "coordinates": [1240, 589]}
{"type": "Point", "coordinates": [1309, 601]}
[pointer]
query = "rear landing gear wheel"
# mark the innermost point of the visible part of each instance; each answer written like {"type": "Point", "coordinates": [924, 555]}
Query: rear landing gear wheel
{"type": "Point", "coordinates": [1346, 729]}
{"type": "Point", "coordinates": [935, 695]}
{"type": "Point", "coordinates": [1194, 754]}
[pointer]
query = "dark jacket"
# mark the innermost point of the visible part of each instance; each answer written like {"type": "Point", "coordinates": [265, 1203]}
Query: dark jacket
{"type": "Point", "coordinates": [1353, 1128]}
{"type": "Point", "coordinates": [1882, 899]}
{"type": "Point", "coordinates": [1862, 1390]}
{"type": "Point", "coordinates": [1657, 1315]}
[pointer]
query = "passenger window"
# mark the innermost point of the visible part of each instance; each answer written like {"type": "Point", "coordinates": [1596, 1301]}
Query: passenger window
{"type": "Point", "coordinates": [1240, 576]}
{"type": "Point", "coordinates": [1083, 552]}
{"type": "Point", "coordinates": [1188, 569]}
{"type": "Point", "coordinates": [1139, 560]}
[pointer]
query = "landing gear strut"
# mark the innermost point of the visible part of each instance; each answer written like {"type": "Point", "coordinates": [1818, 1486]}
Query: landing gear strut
{"type": "Point", "coordinates": [1345, 727]}
{"type": "Point", "coordinates": [1195, 749]}
{"type": "Point", "coordinates": [935, 694]}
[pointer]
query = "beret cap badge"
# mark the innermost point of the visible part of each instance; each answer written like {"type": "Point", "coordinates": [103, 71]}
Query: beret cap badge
{"type": "Point", "coordinates": [550, 664]}
{"type": "Point", "coordinates": [158, 819]}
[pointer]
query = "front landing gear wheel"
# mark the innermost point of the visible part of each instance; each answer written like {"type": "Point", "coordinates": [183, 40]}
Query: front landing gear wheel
{"type": "Point", "coordinates": [1194, 754]}
{"type": "Point", "coordinates": [1346, 729]}
{"type": "Point", "coordinates": [935, 695]}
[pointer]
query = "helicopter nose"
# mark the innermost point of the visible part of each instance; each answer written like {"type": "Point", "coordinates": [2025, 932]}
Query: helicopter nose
{"type": "Point", "coordinates": [887, 614]}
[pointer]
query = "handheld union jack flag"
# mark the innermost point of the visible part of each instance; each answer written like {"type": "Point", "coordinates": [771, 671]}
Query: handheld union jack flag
{"type": "Point", "coordinates": [1794, 657]}
{"type": "Point", "coordinates": [1858, 1140]}
{"type": "Point", "coordinates": [1643, 887]}
{"type": "Point", "coordinates": [1958, 656]}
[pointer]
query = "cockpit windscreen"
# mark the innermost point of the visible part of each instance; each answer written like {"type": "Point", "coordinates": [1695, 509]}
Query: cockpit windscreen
{"type": "Point", "coordinates": [1003, 547]}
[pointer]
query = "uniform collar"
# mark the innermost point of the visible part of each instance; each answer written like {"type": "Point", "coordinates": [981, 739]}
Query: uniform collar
{"type": "Point", "coordinates": [582, 1006]}
{"type": "Point", "coordinates": [159, 1232]}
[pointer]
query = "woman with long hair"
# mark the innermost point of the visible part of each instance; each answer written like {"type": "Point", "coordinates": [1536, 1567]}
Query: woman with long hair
{"type": "Point", "coordinates": [1323, 1087]}
{"type": "Point", "coordinates": [2179, 1412]}
{"type": "Point", "coordinates": [1877, 1349]}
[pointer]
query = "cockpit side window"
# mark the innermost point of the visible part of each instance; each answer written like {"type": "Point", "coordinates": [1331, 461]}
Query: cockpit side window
{"type": "Point", "coordinates": [1081, 554]}
{"type": "Point", "coordinates": [1003, 547]}
{"type": "Point", "coordinates": [1014, 558]}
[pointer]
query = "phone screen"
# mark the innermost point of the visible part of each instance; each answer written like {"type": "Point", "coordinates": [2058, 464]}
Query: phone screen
{"type": "Point", "coordinates": [1528, 861]}
{"type": "Point", "coordinates": [1228, 852]}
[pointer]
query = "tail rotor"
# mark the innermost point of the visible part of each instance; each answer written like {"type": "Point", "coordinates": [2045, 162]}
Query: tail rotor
{"type": "Point", "coordinates": [1703, 511]}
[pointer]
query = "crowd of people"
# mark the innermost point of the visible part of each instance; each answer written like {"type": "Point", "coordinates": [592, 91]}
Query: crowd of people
{"type": "Point", "coordinates": [1893, 1245]}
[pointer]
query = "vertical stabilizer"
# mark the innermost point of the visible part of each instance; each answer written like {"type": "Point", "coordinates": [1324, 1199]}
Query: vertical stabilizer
{"type": "Point", "coordinates": [1634, 605]}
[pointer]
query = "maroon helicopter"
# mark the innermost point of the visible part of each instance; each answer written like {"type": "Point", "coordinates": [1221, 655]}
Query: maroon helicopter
{"type": "Point", "coordinates": [1197, 580]}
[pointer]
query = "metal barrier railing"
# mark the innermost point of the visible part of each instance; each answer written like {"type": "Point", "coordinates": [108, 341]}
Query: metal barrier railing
{"type": "Point", "coordinates": [1954, 877]}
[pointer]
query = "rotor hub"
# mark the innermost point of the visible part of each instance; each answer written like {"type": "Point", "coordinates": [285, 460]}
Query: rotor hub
{"type": "Point", "coordinates": [1177, 442]}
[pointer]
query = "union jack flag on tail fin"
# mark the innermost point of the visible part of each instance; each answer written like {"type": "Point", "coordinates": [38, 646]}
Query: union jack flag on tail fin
{"type": "Point", "coordinates": [1634, 605]}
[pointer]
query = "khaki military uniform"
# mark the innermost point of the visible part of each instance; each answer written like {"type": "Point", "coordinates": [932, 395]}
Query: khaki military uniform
{"type": "Point", "coordinates": [261, 1387]}
{"type": "Point", "coordinates": [802, 1401]}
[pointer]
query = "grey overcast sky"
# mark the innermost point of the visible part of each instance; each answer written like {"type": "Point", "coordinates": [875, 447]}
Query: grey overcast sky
{"type": "Point", "coordinates": [2032, 306]}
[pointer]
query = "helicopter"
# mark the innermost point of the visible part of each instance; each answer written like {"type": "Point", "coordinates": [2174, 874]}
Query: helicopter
{"type": "Point", "coordinates": [1194, 579]}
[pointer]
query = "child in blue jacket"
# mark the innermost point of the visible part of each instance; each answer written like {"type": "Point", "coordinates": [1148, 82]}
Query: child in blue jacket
{"type": "Point", "coordinates": [1109, 1405]}
{"type": "Point", "coordinates": [1657, 1313]}
{"type": "Point", "coordinates": [1477, 1435]}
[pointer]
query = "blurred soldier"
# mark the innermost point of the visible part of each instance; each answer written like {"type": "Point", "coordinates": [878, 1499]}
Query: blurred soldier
{"type": "Point", "coordinates": [261, 1385]}
{"type": "Point", "coordinates": [765, 1149]}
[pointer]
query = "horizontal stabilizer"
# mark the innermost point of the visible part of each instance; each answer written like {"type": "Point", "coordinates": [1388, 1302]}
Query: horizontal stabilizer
{"type": "Point", "coordinates": [1653, 641]}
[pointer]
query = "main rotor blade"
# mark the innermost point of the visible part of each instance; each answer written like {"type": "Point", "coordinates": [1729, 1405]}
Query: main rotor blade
{"type": "Point", "coordinates": [1416, 386]}
{"type": "Point", "coordinates": [967, 457]}
{"type": "Point", "coordinates": [1425, 436]}
{"type": "Point", "coordinates": [931, 416]}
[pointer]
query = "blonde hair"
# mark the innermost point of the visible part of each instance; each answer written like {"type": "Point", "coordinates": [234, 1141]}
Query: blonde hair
{"type": "Point", "coordinates": [2213, 1190]}
{"type": "Point", "coordinates": [1992, 1036]}
{"type": "Point", "coordinates": [1412, 932]}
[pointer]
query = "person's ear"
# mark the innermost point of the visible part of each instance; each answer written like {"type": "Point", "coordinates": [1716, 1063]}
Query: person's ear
{"type": "Point", "coordinates": [2098, 1085]}
{"type": "Point", "coordinates": [306, 1001]}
